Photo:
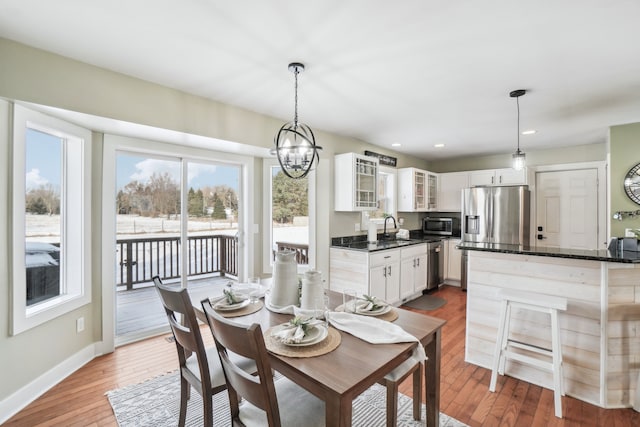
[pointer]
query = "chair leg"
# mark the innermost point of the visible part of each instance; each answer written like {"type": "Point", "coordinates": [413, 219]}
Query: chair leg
{"type": "Point", "coordinates": [499, 343]}
{"type": "Point", "coordinates": [392, 403]}
{"type": "Point", "coordinates": [207, 400]}
{"type": "Point", "coordinates": [558, 389]}
{"type": "Point", "coordinates": [184, 398]}
{"type": "Point", "coordinates": [417, 392]}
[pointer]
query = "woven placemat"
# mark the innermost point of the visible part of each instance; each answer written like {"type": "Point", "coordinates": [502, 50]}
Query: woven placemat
{"type": "Point", "coordinates": [249, 309]}
{"type": "Point", "coordinates": [391, 316]}
{"type": "Point", "coordinates": [327, 345]}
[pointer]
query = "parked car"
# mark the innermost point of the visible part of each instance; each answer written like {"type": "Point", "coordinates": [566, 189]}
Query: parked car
{"type": "Point", "coordinates": [43, 271]}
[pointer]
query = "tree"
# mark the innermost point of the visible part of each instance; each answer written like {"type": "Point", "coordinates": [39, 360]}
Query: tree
{"type": "Point", "coordinates": [218, 208]}
{"type": "Point", "coordinates": [290, 198]}
{"type": "Point", "coordinates": [195, 200]}
{"type": "Point", "coordinates": [44, 199]}
{"type": "Point", "coordinates": [165, 194]}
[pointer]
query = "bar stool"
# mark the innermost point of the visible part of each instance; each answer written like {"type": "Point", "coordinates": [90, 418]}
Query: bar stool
{"type": "Point", "coordinates": [504, 345]}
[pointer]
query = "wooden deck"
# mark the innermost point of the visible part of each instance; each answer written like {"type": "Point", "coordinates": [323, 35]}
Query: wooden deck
{"type": "Point", "coordinates": [139, 312]}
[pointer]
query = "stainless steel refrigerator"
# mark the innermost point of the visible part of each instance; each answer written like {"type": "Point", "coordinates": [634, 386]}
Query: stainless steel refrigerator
{"type": "Point", "coordinates": [496, 215]}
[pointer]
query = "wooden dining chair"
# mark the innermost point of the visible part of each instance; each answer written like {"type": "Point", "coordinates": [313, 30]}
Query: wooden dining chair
{"type": "Point", "coordinates": [199, 366]}
{"type": "Point", "coordinates": [265, 401]}
{"type": "Point", "coordinates": [393, 379]}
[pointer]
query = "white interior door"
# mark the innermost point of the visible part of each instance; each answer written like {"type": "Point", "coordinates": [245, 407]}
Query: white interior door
{"type": "Point", "coordinates": [567, 209]}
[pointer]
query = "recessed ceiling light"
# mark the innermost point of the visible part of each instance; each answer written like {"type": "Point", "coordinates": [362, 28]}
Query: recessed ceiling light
{"type": "Point", "coordinates": [396, 144]}
{"type": "Point", "coordinates": [439, 145]}
{"type": "Point", "coordinates": [529, 132]}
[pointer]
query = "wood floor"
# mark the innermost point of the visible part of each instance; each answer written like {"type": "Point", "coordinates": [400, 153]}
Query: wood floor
{"type": "Point", "coordinates": [79, 400]}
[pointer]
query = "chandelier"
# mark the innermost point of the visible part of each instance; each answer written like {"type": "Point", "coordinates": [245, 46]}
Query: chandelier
{"type": "Point", "coordinates": [518, 156]}
{"type": "Point", "coordinates": [295, 144]}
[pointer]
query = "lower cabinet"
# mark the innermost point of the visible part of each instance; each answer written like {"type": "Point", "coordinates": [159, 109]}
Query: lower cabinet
{"type": "Point", "coordinates": [413, 266]}
{"type": "Point", "coordinates": [453, 261]}
{"type": "Point", "coordinates": [394, 274]}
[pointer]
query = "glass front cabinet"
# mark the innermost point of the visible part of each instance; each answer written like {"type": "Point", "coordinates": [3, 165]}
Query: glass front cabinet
{"type": "Point", "coordinates": [417, 190]}
{"type": "Point", "coordinates": [355, 182]}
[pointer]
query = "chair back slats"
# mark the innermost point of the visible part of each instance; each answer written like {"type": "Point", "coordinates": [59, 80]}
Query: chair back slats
{"type": "Point", "coordinates": [188, 339]}
{"type": "Point", "coordinates": [246, 341]}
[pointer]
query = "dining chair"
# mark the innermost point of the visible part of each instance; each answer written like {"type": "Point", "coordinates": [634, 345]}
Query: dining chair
{"type": "Point", "coordinates": [392, 380]}
{"type": "Point", "coordinates": [199, 366]}
{"type": "Point", "coordinates": [265, 401]}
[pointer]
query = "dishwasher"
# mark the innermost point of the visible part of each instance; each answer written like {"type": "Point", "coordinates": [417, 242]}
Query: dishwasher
{"type": "Point", "coordinates": [435, 264]}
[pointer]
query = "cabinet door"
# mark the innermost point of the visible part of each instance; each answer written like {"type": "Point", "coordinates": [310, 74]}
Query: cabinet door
{"type": "Point", "coordinates": [510, 176]}
{"type": "Point", "coordinates": [407, 281]}
{"type": "Point", "coordinates": [482, 177]}
{"type": "Point", "coordinates": [450, 190]}
{"type": "Point", "coordinates": [393, 283]}
{"type": "Point", "coordinates": [377, 281]}
{"type": "Point", "coordinates": [432, 191]}
{"type": "Point", "coordinates": [419, 190]}
{"type": "Point", "coordinates": [455, 260]}
{"type": "Point", "coordinates": [420, 273]}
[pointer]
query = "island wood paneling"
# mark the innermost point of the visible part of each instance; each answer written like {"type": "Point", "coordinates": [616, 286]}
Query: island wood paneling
{"type": "Point", "coordinates": [600, 331]}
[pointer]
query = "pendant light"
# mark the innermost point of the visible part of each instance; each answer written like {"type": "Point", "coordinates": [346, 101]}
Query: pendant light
{"type": "Point", "coordinates": [295, 144]}
{"type": "Point", "coordinates": [518, 156]}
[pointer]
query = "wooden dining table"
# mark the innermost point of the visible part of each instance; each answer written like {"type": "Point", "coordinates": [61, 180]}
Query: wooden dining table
{"type": "Point", "coordinates": [355, 365]}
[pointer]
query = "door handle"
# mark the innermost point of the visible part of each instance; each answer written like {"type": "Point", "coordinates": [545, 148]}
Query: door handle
{"type": "Point", "coordinates": [541, 237]}
{"type": "Point", "coordinates": [384, 272]}
{"type": "Point", "coordinates": [389, 273]}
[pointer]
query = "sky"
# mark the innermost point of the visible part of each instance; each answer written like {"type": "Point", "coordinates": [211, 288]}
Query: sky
{"type": "Point", "coordinates": [140, 168]}
{"type": "Point", "coordinates": [42, 160]}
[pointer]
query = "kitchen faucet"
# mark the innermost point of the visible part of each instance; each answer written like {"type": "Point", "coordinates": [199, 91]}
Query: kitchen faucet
{"type": "Point", "coordinates": [385, 234]}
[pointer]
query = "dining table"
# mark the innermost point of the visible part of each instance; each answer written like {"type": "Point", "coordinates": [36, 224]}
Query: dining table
{"type": "Point", "coordinates": [341, 375]}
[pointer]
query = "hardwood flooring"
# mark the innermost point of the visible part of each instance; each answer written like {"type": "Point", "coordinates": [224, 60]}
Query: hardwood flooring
{"type": "Point", "coordinates": [80, 399]}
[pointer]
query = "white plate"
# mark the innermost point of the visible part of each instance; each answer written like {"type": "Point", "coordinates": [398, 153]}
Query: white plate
{"type": "Point", "coordinates": [224, 307]}
{"type": "Point", "coordinates": [314, 335]}
{"type": "Point", "coordinates": [378, 312]}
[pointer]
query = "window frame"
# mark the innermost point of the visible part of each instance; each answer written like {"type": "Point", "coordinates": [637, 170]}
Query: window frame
{"type": "Point", "coordinates": [75, 217]}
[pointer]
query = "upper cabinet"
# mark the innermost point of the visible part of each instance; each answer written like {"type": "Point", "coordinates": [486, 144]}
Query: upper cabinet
{"type": "Point", "coordinates": [355, 182]}
{"type": "Point", "coordinates": [417, 190]}
{"type": "Point", "coordinates": [450, 190]}
{"type": "Point", "coordinates": [506, 176]}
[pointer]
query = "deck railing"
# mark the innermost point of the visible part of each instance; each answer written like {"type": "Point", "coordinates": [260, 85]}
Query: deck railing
{"type": "Point", "coordinates": [302, 251]}
{"type": "Point", "coordinates": [138, 260]}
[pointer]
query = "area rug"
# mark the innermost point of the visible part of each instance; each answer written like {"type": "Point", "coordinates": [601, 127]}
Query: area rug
{"type": "Point", "coordinates": [155, 403]}
{"type": "Point", "coordinates": [426, 302]}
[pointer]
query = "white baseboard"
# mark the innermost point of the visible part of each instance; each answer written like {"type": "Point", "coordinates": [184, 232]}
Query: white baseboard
{"type": "Point", "coordinates": [30, 392]}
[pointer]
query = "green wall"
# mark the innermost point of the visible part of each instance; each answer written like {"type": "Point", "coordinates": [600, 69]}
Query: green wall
{"type": "Point", "coordinates": [624, 143]}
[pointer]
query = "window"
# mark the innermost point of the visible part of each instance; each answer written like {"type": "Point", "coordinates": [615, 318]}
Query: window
{"type": "Point", "coordinates": [51, 218]}
{"type": "Point", "coordinates": [289, 216]}
{"type": "Point", "coordinates": [387, 177]}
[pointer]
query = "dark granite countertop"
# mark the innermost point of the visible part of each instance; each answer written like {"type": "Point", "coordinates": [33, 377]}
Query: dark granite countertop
{"type": "Point", "coordinates": [595, 255]}
{"type": "Point", "coordinates": [359, 243]}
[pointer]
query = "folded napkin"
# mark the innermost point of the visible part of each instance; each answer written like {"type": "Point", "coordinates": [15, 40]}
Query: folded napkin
{"type": "Point", "coordinates": [230, 298]}
{"type": "Point", "coordinates": [375, 331]}
{"type": "Point", "coordinates": [370, 304]}
{"type": "Point", "coordinates": [295, 330]}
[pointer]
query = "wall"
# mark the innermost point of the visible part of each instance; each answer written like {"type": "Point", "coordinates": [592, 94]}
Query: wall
{"type": "Point", "coordinates": [40, 77]}
{"type": "Point", "coordinates": [560, 155]}
{"type": "Point", "coordinates": [624, 143]}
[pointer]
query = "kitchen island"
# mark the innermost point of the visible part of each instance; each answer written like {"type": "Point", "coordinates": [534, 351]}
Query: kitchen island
{"type": "Point", "coordinates": [600, 331]}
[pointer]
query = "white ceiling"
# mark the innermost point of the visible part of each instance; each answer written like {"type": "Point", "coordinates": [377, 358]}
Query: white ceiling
{"type": "Point", "coordinates": [415, 72]}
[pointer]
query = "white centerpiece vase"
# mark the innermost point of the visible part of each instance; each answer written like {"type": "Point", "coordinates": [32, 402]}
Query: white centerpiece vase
{"type": "Point", "coordinates": [284, 288]}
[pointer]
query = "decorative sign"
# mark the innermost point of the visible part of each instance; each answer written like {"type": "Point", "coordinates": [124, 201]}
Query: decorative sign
{"type": "Point", "coordinates": [384, 159]}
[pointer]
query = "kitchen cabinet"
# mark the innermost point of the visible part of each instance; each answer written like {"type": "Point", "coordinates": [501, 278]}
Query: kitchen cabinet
{"type": "Point", "coordinates": [417, 190]}
{"type": "Point", "coordinates": [453, 260]}
{"type": "Point", "coordinates": [384, 275]}
{"type": "Point", "coordinates": [505, 176]}
{"type": "Point", "coordinates": [372, 273]}
{"type": "Point", "coordinates": [413, 264]}
{"type": "Point", "coordinates": [450, 186]}
{"type": "Point", "coordinates": [355, 182]}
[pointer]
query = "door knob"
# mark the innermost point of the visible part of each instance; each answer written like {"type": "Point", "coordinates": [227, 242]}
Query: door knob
{"type": "Point", "coordinates": [540, 237]}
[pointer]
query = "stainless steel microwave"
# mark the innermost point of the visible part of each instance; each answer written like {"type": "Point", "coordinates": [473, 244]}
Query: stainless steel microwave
{"type": "Point", "coordinates": [443, 226]}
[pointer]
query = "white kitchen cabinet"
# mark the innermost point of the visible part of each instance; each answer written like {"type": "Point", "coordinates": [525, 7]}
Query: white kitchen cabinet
{"type": "Point", "coordinates": [355, 182]}
{"type": "Point", "coordinates": [417, 190]}
{"type": "Point", "coordinates": [450, 189]}
{"type": "Point", "coordinates": [505, 176]}
{"type": "Point", "coordinates": [384, 275]}
{"type": "Point", "coordinates": [454, 260]}
{"type": "Point", "coordinates": [413, 263]}
{"type": "Point", "coordinates": [372, 273]}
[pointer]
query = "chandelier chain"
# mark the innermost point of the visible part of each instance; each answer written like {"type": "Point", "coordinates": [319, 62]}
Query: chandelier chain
{"type": "Point", "coordinates": [295, 112]}
{"type": "Point", "coordinates": [518, 106]}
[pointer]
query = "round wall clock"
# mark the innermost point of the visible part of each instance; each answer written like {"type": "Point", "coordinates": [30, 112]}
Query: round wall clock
{"type": "Point", "coordinates": [632, 183]}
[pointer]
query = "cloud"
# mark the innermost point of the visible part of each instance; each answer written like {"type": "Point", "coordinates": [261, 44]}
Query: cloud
{"type": "Point", "coordinates": [148, 167]}
{"type": "Point", "coordinates": [34, 179]}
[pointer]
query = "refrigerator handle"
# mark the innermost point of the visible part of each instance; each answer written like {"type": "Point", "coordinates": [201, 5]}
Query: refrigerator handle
{"type": "Point", "coordinates": [489, 216]}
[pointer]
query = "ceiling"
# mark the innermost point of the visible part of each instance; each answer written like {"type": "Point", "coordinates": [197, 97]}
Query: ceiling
{"type": "Point", "coordinates": [414, 72]}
